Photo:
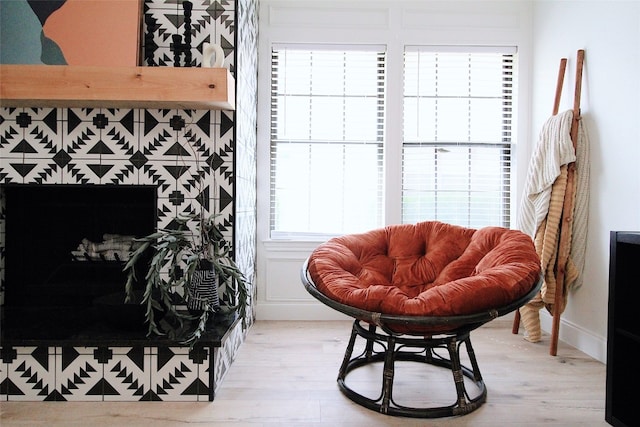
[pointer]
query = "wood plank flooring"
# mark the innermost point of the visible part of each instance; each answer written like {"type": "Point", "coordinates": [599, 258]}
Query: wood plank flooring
{"type": "Point", "coordinates": [285, 375]}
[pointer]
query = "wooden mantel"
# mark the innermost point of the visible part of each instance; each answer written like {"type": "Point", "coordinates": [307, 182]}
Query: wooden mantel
{"type": "Point", "coordinates": [116, 87]}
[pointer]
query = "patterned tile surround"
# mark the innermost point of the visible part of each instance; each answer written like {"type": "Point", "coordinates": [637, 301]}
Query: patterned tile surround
{"type": "Point", "coordinates": [190, 155]}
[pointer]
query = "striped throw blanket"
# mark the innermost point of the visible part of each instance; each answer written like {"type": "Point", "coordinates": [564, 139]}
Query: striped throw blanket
{"type": "Point", "coordinates": [541, 211]}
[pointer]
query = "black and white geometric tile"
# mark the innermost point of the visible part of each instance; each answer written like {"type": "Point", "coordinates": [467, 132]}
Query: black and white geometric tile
{"type": "Point", "coordinates": [212, 21]}
{"type": "Point", "coordinates": [186, 154]}
{"type": "Point", "coordinates": [246, 138]}
{"type": "Point", "coordinates": [190, 155]}
{"type": "Point", "coordinates": [28, 373]}
{"type": "Point", "coordinates": [225, 354]}
{"type": "Point", "coordinates": [107, 373]}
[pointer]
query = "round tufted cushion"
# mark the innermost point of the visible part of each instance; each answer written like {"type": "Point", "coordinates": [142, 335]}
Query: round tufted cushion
{"type": "Point", "coordinates": [426, 269]}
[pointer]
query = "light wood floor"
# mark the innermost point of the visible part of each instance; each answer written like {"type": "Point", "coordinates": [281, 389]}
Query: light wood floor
{"type": "Point", "coordinates": [285, 375]}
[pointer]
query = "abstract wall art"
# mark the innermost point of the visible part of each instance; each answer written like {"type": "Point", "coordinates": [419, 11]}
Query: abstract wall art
{"type": "Point", "coordinates": [70, 32]}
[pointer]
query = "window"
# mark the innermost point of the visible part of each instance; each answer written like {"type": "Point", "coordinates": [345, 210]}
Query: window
{"type": "Point", "coordinates": [329, 151]}
{"type": "Point", "coordinates": [327, 130]}
{"type": "Point", "coordinates": [457, 136]}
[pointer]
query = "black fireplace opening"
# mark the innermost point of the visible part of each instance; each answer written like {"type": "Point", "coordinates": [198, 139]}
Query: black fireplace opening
{"type": "Point", "coordinates": [65, 248]}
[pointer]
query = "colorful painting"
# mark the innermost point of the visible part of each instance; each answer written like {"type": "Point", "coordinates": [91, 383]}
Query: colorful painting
{"type": "Point", "coordinates": [70, 32]}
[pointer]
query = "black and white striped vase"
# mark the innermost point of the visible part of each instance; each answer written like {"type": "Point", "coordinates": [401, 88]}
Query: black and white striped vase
{"type": "Point", "coordinates": [203, 289]}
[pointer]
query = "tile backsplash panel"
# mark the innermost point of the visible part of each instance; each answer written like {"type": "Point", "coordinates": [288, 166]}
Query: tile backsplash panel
{"type": "Point", "coordinates": [192, 158]}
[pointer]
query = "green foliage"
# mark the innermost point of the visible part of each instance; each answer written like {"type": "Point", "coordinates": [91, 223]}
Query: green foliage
{"type": "Point", "coordinates": [179, 251]}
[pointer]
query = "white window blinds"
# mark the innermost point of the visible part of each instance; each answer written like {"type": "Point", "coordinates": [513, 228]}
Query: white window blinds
{"type": "Point", "coordinates": [327, 129]}
{"type": "Point", "coordinates": [458, 108]}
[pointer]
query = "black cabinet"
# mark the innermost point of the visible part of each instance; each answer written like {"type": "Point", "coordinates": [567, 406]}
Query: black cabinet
{"type": "Point", "coordinates": [623, 329]}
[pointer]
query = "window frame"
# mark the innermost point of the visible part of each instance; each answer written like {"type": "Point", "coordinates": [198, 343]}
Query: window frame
{"type": "Point", "coordinates": [394, 25]}
{"type": "Point", "coordinates": [389, 149]}
{"type": "Point", "coordinates": [278, 135]}
{"type": "Point", "coordinates": [503, 139]}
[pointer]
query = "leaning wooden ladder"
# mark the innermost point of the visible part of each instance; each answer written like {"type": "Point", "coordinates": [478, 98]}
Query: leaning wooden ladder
{"type": "Point", "coordinates": [566, 225]}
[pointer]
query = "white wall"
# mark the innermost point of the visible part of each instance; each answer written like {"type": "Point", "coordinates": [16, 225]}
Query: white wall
{"type": "Point", "coordinates": [545, 30]}
{"type": "Point", "coordinates": [381, 22]}
{"type": "Point", "coordinates": [609, 32]}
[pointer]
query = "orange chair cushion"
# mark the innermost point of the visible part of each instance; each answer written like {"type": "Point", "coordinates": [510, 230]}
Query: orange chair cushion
{"type": "Point", "coordinates": [426, 269]}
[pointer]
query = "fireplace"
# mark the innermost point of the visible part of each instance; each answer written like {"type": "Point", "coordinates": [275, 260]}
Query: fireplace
{"type": "Point", "coordinates": [65, 246]}
{"type": "Point", "coordinates": [95, 146]}
{"type": "Point", "coordinates": [58, 339]}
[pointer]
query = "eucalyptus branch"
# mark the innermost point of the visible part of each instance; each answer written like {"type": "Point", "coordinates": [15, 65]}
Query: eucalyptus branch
{"type": "Point", "coordinates": [172, 249]}
{"type": "Point", "coordinates": [196, 237]}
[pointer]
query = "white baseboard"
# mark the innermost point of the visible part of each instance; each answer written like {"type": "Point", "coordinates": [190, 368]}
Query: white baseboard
{"type": "Point", "coordinates": [301, 311]}
{"type": "Point", "coordinates": [580, 338]}
{"type": "Point", "coordinates": [575, 336]}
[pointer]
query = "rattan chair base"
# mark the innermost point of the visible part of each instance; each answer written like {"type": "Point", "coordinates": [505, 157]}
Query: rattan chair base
{"type": "Point", "coordinates": [412, 349]}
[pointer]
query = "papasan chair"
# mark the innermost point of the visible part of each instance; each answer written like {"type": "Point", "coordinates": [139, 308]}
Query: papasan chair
{"type": "Point", "coordinates": [416, 291]}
